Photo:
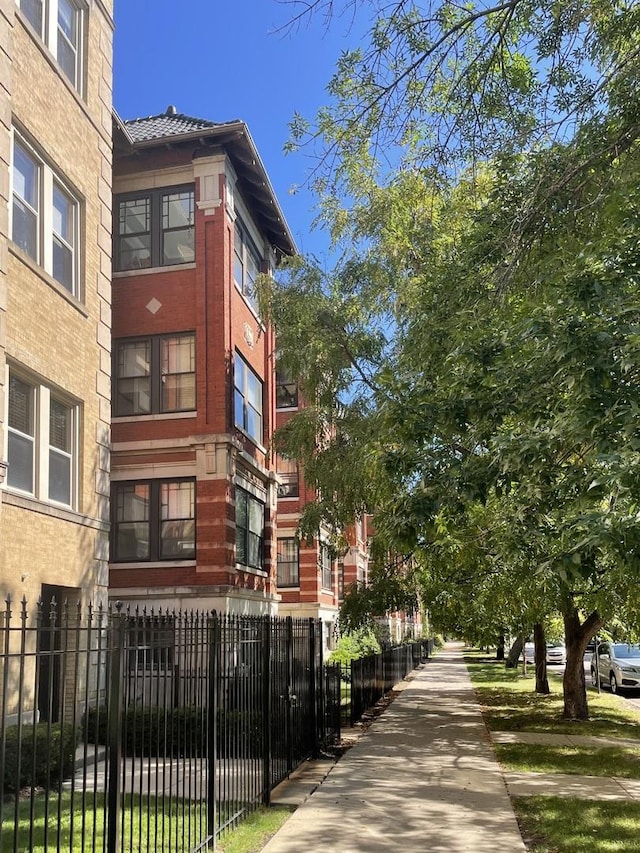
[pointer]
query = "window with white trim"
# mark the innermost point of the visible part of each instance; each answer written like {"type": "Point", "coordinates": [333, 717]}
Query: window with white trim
{"type": "Point", "coordinates": [325, 565]}
{"type": "Point", "coordinates": [249, 529]}
{"type": "Point", "coordinates": [42, 441]}
{"type": "Point", "coordinates": [287, 470]}
{"type": "Point", "coordinates": [60, 25]}
{"type": "Point", "coordinates": [45, 216]}
{"type": "Point", "coordinates": [288, 562]}
{"type": "Point", "coordinates": [246, 264]}
{"type": "Point", "coordinates": [151, 643]}
{"type": "Point", "coordinates": [153, 520]}
{"type": "Point", "coordinates": [154, 374]}
{"type": "Point", "coordinates": [247, 401]}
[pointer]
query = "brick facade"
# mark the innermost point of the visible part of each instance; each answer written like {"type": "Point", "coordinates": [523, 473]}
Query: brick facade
{"type": "Point", "coordinates": [55, 340]}
{"type": "Point", "coordinates": [198, 297]}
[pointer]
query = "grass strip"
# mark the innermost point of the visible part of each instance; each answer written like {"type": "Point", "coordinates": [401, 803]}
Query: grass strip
{"type": "Point", "coordinates": [567, 825]}
{"type": "Point", "coordinates": [509, 703]}
{"type": "Point", "coordinates": [253, 833]}
{"type": "Point", "coordinates": [574, 760]}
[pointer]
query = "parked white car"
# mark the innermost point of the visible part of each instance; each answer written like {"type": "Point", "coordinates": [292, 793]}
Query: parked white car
{"type": "Point", "coordinates": [618, 665]}
{"type": "Point", "coordinates": [556, 653]}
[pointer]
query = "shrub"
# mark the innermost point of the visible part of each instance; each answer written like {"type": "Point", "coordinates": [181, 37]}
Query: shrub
{"type": "Point", "coordinates": [178, 732]}
{"type": "Point", "coordinates": [46, 757]}
{"type": "Point", "coordinates": [357, 644]}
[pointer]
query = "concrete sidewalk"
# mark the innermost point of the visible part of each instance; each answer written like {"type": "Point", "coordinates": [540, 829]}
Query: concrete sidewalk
{"type": "Point", "coordinates": [423, 778]}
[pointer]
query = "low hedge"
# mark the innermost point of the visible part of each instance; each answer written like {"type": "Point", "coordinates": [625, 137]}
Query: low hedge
{"type": "Point", "coordinates": [178, 732]}
{"type": "Point", "coordinates": [45, 766]}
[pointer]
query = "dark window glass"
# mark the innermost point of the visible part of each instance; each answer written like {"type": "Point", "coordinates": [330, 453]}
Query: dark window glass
{"type": "Point", "coordinates": [249, 530]}
{"type": "Point", "coordinates": [155, 375]}
{"type": "Point", "coordinates": [26, 206]}
{"type": "Point", "coordinates": [153, 520]}
{"type": "Point", "coordinates": [246, 265]}
{"type": "Point", "coordinates": [21, 437]}
{"type": "Point", "coordinates": [33, 11]}
{"type": "Point", "coordinates": [151, 643]}
{"type": "Point", "coordinates": [60, 452]}
{"type": "Point", "coordinates": [286, 391]}
{"type": "Point", "coordinates": [155, 229]}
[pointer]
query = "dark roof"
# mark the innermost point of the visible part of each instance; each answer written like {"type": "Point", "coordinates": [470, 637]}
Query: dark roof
{"type": "Point", "coordinates": [173, 128]}
{"type": "Point", "coordinates": [164, 125]}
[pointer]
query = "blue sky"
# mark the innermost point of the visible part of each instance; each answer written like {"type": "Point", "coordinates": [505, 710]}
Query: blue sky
{"type": "Point", "coordinates": [229, 59]}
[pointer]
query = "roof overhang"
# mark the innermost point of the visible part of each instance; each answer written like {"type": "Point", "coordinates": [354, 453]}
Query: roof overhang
{"type": "Point", "coordinates": [253, 180]}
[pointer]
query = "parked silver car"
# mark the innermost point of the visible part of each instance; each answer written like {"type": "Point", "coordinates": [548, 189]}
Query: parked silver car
{"type": "Point", "coordinates": [618, 665]}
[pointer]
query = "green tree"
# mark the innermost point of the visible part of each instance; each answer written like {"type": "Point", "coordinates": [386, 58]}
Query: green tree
{"type": "Point", "coordinates": [473, 356]}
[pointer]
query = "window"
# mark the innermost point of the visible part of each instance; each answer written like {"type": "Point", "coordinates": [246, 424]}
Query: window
{"type": "Point", "coordinates": [151, 644]}
{"type": "Point", "coordinates": [249, 529]}
{"type": "Point", "coordinates": [288, 472]}
{"type": "Point", "coordinates": [154, 229]}
{"type": "Point", "coordinates": [155, 374]}
{"type": "Point", "coordinates": [288, 562]}
{"type": "Point", "coordinates": [154, 520]}
{"type": "Point", "coordinates": [44, 216]}
{"type": "Point", "coordinates": [41, 441]}
{"type": "Point", "coordinates": [286, 391]}
{"type": "Point", "coordinates": [247, 399]}
{"type": "Point", "coordinates": [325, 565]}
{"type": "Point", "coordinates": [246, 264]}
{"type": "Point", "coordinates": [59, 23]}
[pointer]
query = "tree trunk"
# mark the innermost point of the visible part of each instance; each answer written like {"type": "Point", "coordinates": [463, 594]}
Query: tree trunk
{"type": "Point", "coordinates": [540, 657]}
{"type": "Point", "coordinates": [500, 649]}
{"type": "Point", "coordinates": [576, 637]}
{"type": "Point", "coordinates": [514, 653]}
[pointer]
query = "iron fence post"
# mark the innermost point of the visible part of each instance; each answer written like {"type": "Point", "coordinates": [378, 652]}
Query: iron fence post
{"type": "Point", "coordinates": [315, 672]}
{"type": "Point", "coordinates": [115, 728]}
{"type": "Point", "coordinates": [214, 651]}
{"type": "Point", "coordinates": [266, 712]}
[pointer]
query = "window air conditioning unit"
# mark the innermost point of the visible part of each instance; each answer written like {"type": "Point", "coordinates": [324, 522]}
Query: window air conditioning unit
{"type": "Point", "coordinates": [286, 490]}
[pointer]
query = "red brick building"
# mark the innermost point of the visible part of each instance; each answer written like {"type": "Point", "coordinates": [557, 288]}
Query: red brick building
{"type": "Point", "coordinates": [311, 580]}
{"type": "Point", "coordinates": [194, 489]}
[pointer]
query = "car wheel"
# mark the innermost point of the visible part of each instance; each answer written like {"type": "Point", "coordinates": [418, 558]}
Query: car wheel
{"type": "Point", "coordinates": [613, 683]}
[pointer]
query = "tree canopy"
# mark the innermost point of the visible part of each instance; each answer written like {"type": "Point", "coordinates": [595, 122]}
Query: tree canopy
{"type": "Point", "coordinates": [471, 362]}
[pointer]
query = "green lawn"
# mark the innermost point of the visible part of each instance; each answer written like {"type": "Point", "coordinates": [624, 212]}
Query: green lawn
{"type": "Point", "coordinates": [563, 825]}
{"type": "Point", "coordinates": [559, 824]}
{"type": "Point", "coordinates": [147, 827]}
{"type": "Point", "coordinates": [509, 704]}
{"type": "Point", "coordinates": [575, 760]}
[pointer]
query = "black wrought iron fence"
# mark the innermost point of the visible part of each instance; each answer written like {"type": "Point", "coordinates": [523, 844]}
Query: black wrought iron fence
{"type": "Point", "coordinates": [134, 731]}
{"type": "Point", "coordinates": [370, 677]}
